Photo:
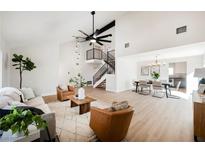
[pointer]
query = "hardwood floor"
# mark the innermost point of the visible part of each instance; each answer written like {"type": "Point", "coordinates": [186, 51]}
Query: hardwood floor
{"type": "Point", "coordinates": [155, 119]}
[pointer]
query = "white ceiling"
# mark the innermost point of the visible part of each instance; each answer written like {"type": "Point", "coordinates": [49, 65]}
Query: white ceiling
{"type": "Point", "coordinates": [27, 28]}
{"type": "Point", "coordinates": [169, 53]}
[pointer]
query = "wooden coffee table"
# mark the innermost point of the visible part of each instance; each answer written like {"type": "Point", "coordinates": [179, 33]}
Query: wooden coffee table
{"type": "Point", "coordinates": [83, 103]}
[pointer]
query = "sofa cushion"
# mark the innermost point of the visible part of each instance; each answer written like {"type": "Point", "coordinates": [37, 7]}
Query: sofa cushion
{"type": "Point", "coordinates": [44, 108]}
{"type": "Point", "coordinates": [35, 101]}
{"type": "Point", "coordinates": [27, 93]}
{"type": "Point", "coordinates": [119, 105]}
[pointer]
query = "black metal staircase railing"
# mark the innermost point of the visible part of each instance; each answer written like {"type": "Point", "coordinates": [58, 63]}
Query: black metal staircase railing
{"type": "Point", "coordinates": [107, 68]}
{"type": "Point", "coordinates": [109, 59]}
{"type": "Point", "coordinates": [94, 53]}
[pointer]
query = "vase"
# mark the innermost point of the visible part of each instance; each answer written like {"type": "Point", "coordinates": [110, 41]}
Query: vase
{"type": "Point", "coordinates": [81, 93]}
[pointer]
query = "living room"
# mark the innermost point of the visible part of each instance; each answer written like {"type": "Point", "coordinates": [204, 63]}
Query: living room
{"type": "Point", "coordinates": [57, 45]}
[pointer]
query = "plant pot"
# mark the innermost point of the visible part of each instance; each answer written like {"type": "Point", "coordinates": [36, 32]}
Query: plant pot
{"type": "Point", "coordinates": [18, 134]}
{"type": "Point", "coordinates": [81, 93]}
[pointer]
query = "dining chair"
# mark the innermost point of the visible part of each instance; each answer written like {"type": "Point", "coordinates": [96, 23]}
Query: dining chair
{"type": "Point", "coordinates": [178, 85]}
{"type": "Point", "coordinates": [144, 88]}
{"type": "Point", "coordinates": [134, 86]}
{"type": "Point", "coordinates": [158, 89]}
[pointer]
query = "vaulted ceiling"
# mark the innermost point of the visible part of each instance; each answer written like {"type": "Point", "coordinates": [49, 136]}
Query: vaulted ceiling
{"type": "Point", "coordinates": [27, 28]}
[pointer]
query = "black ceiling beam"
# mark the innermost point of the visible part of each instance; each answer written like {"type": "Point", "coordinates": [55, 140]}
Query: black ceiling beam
{"type": "Point", "coordinates": [105, 28]}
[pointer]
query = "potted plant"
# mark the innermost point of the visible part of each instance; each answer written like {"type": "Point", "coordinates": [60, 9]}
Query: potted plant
{"type": "Point", "coordinates": [79, 82]}
{"type": "Point", "coordinates": [19, 120]}
{"type": "Point", "coordinates": [22, 65]}
{"type": "Point", "coordinates": [155, 75]}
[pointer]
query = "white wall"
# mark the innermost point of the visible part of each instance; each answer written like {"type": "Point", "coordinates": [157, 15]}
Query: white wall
{"type": "Point", "coordinates": [148, 31]}
{"type": "Point", "coordinates": [180, 67]}
{"type": "Point", "coordinates": [68, 59]}
{"type": "Point", "coordinates": [110, 82]}
{"type": "Point", "coordinates": [126, 73]}
{"type": "Point", "coordinates": [204, 60]}
{"type": "Point", "coordinates": [1, 53]}
{"type": "Point", "coordinates": [67, 62]}
{"type": "Point", "coordinates": [44, 78]}
{"type": "Point", "coordinates": [3, 59]}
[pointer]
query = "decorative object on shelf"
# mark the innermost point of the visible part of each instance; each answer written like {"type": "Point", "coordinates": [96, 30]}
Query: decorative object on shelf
{"type": "Point", "coordinates": [200, 73]}
{"type": "Point", "coordinates": [94, 38]}
{"type": "Point", "coordinates": [19, 120]}
{"type": "Point", "coordinates": [22, 65]}
{"type": "Point", "coordinates": [79, 82]}
{"type": "Point", "coordinates": [145, 70]}
{"type": "Point", "coordinates": [155, 75]}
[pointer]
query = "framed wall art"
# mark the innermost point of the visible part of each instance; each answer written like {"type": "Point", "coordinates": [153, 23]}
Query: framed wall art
{"type": "Point", "coordinates": [145, 70]}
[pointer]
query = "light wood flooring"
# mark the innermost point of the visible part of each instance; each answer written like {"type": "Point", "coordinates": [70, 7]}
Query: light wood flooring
{"type": "Point", "coordinates": [154, 119]}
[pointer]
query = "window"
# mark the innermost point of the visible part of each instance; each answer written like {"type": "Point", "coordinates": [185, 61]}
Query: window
{"type": "Point", "coordinates": [171, 70]}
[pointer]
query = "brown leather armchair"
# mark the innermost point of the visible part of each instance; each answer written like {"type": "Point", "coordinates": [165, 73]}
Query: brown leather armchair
{"type": "Point", "coordinates": [110, 126]}
{"type": "Point", "coordinates": [63, 95]}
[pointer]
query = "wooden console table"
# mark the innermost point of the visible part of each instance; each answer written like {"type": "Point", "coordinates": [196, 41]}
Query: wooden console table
{"type": "Point", "coordinates": [199, 115]}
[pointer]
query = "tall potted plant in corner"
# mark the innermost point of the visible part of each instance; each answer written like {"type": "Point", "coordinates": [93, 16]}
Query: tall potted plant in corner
{"type": "Point", "coordinates": [22, 65]}
{"type": "Point", "coordinates": [79, 82]}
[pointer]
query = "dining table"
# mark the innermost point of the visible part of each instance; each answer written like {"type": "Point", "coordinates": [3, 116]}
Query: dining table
{"type": "Point", "coordinates": [165, 84]}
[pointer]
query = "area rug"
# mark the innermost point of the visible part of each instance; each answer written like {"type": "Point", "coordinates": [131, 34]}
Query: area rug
{"type": "Point", "coordinates": [72, 127]}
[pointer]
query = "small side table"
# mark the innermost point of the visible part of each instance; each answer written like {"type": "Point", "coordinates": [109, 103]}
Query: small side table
{"type": "Point", "coordinates": [84, 104]}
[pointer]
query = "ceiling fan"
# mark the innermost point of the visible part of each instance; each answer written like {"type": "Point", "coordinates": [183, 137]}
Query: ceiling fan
{"type": "Point", "coordinates": [94, 38]}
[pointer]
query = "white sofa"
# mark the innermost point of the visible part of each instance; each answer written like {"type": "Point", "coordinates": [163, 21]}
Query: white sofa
{"type": "Point", "coordinates": [10, 96]}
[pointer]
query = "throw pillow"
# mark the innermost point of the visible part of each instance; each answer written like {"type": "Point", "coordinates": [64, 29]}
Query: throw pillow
{"type": "Point", "coordinates": [27, 93]}
{"type": "Point", "coordinates": [119, 105]}
{"type": "Point", "coordinates": [14, 93]}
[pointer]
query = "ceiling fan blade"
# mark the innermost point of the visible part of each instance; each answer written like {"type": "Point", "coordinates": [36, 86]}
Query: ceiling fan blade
{"type": "Point", "coordinates": [104, 36]}
{"type": "Point", "coordinates": [105, 28]}
{"type": "Point", "coordinates": [83, 32]}
{"type": "Point", "coordinates": [99, 43]}
{"type": "Point", "coordinates": [82, 41]}
{"type": "Point", "coordinates": [109, 41]}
